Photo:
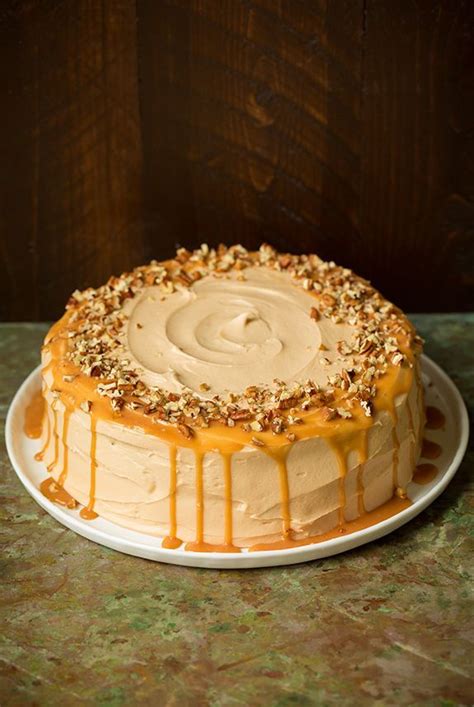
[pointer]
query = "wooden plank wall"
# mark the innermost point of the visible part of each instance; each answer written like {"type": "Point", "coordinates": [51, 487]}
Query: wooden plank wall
{"type": "Point", "coordinates": [343, 127]}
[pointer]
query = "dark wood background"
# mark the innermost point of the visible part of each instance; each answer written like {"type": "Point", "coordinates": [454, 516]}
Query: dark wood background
{"type": "Point", "coordinates": [343, 127]}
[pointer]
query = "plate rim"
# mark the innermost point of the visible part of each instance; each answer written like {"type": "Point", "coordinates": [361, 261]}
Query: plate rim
{"type": "Point", "coordinates": [245, 560]}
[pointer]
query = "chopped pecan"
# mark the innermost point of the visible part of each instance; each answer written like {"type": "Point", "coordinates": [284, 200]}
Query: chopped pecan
{"type": "Point", "coordinates": [328, 414]}
{"type": "Point", "coordinates": [185, 430]}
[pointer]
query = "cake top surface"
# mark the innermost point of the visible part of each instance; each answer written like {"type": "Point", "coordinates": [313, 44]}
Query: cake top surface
{"type": "Point", "coordinates": [256, 339]}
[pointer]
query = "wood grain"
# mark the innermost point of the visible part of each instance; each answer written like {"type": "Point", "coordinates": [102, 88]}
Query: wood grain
{"type": "Point", "coordinates": [417, 187]}
{"type": "Point", "coordinates": [71, 199]}
{"type": "Point", "coordinates": [337, 126]}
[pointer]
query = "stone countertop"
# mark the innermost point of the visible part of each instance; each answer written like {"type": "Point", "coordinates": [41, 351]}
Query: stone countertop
{"type": "Point", "coordinates": [388, 623]}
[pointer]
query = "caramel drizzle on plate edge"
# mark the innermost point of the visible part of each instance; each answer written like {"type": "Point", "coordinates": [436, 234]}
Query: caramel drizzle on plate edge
{"type": "Point", "coordinates": [343, 437]}
{"type": "Point", "coordinates": [426, 472]}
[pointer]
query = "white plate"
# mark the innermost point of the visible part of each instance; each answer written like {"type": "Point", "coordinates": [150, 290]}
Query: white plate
{"type": "Point", "coordinates": [440, 391]}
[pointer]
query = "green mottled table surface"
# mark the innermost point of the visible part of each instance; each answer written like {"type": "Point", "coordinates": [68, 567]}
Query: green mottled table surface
{"type": "Point", "coordinates": [389, 623]}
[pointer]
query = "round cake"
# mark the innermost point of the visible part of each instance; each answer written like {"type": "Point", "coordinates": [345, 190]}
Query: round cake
{"type": "Point", "coordinates": [229, 399]}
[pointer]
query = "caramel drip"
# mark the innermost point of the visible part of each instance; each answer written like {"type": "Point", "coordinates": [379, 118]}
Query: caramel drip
{"type": "Point", "coordinates": [171, 542]}
{"type": "Point", "coordinates": [88, 513]}
{"type": "Point", "coordinates": [199, 498]}
{"type": "Point", "coordinates": [421, 400]}
{"type": "Point", "coordinates": [56, 440]}
{"type": "Point", "coordinates": [342, 464]}
{"type": "Point", "coordinates": [34, 414]}
{"type": "Point", "coordinates": [341, 446]}
{"type": "Point", "coordinates": [387, 510]}
{"type": "Point", "coordinates": [284, 494]}
{"type": "Point", "coordinates": [392, 410]}
{"type": "Point", "coordinates": [63, 475]}
{"type": "Point", "coordinates": [387, 401]}
{"type": "Point", "coordinates": [411, 432]}
{"type": "Point", "coordinates": [435, 419]}
{"type": "Point", "coordinates": [39, 455]}
{"type": "Point", "coordinates": [198, 545]}
{"type": "Point", "coordinates": [430, 450]}
{"type": "Point", "coordinates": [54, 492]}
{"type": "Point", "coordinates": [396, 456]}
{"type": "Point", "coordinates": [363, 454]}
{"type": "Point", "coordinates": [228, 529]}
{"type": "Point", "coordinates": [279, 454]}
{"type": "Point", "coordinates": [425, 473]}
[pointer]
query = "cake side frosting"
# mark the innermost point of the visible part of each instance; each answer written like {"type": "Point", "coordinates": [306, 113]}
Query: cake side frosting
{"type": "Point", "coordinates": [270, 396]}
{"type": "Point", "coordinates": [133, 480]}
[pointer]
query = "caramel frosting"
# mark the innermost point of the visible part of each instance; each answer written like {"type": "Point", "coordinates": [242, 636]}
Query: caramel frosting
{"type": "Point", "coordinates": [223, 336]}
{"type": "Point", "coordinates": [229, 399]}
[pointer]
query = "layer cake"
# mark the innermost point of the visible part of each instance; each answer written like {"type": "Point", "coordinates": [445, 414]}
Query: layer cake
{"type": "Point", "coordinates": [229, 399]}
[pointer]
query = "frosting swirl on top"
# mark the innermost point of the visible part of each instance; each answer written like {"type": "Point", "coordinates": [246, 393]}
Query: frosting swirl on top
{"type": "Point", "coordinates": [223, 335]}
